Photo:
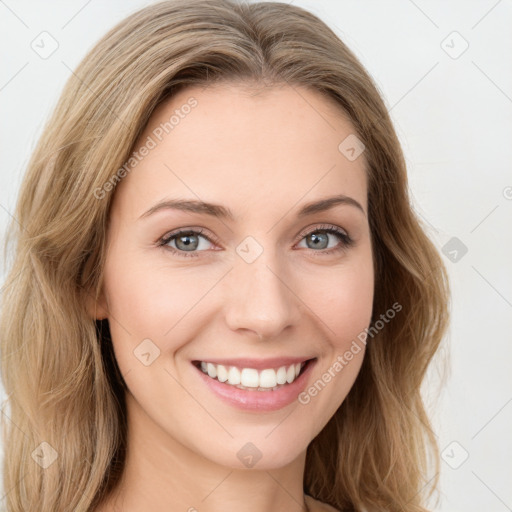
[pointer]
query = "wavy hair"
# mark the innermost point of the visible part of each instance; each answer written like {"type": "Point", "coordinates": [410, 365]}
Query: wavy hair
{"type": "Point", "coordinates": [58, 368]}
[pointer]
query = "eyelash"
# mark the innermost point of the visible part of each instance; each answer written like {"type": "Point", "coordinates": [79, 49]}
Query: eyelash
{"type": "Point", "coordinates": [346, 240]}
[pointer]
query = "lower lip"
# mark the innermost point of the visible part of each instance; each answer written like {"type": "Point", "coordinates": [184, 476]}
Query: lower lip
{"type": "Point", "coordinates": [259, 400]}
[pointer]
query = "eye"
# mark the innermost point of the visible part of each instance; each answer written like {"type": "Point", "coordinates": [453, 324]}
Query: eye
{"type": "Point", "coordinates": [319, 239]}
{"type": "Point", "coordinates": [186, 241]}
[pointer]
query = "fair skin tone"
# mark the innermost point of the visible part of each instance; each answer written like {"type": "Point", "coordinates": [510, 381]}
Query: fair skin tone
{"type": "Point", "coordinates": [264, 156]}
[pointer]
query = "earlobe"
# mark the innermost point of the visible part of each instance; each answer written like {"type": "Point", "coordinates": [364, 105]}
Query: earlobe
{"type": "Point", "coordinates": [97, 307]}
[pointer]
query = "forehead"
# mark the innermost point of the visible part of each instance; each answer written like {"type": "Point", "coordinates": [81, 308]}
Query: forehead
{"type": "Point", "coordinates": [244, 146]}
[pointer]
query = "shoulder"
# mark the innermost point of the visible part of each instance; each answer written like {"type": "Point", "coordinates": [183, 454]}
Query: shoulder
{"type": "Point", "coordinates": [318, 506]}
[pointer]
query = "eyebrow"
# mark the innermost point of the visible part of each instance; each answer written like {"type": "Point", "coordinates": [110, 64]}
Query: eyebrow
{"type": "Point", "coordinates": [219, 211]}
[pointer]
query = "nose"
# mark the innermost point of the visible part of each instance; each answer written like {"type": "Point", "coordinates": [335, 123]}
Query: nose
{"type": "Point", "coordinates": [260, 297]}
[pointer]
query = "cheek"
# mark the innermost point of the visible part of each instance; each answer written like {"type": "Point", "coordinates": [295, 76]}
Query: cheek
{"type": "Point", "coordinates": [344, 300]}
{"type": "Point", "coordinates": [148, 297]}
{"type": "Point", "coordinates": [351, 307]}
{"type": "Point", "coordinates": [146, 301]}
{"type": "Point", "coordinates": [344, 303]}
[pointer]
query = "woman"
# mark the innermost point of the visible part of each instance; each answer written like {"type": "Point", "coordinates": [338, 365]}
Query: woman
{"type": "Point", "coordinates": [220, 297]}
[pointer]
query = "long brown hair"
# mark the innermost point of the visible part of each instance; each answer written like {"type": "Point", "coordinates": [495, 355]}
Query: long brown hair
{"type": "Point", "coordinates": [58, 369]}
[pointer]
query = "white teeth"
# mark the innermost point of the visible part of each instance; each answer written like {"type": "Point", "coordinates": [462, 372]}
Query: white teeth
{"type": "Point", "coordinates": [290, 374]}
{"type": "Point", "coordinates": [281, 375]}
{"type": "Point", "coordinates": [268, 379]}
{"type": "Point", "coordinates": [234, 376]}
{"type": "Point", "coordinates": [249, 378]}
{"type": "Point", "coordinates": [212, 370]}
{"type": "Point", "coordinates": [264, 380]}
{"type": "Point", "coordinates": [222, 373]}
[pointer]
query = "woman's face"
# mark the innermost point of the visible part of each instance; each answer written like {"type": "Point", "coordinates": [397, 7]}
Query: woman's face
{"type": "Point", "coordinates": [253, 285]}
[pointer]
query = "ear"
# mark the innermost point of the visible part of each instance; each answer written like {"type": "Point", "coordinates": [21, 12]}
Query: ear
{"type": "Point", "coordinates": [97, 308]}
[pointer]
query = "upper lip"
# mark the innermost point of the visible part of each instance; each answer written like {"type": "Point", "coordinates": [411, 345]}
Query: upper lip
{"type": "Point", "coordinates": [257, 364]}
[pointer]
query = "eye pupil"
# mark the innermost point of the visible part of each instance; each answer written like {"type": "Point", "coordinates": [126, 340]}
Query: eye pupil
{"type": "Point", "coordinates": [318, 238]}
{"type": "Point", "coordinates": [188, 245]}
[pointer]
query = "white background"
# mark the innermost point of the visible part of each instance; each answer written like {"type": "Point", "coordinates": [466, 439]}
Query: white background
{"type": "Point", "coordinates": [454, 119]}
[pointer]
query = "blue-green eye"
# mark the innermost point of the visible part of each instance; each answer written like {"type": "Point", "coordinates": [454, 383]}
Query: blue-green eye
{"type": "Point", "coordinates": [187, 243]}
{"type": "Point", "coordinates": [319, 238]}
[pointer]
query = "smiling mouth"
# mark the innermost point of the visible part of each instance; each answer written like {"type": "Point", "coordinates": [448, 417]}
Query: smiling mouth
{"type": "Point", "coordinates": [251, 379]}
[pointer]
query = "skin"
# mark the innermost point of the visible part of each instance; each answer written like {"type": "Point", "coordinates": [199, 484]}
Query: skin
{"type": "Point", "coordinates": [263, 154]}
